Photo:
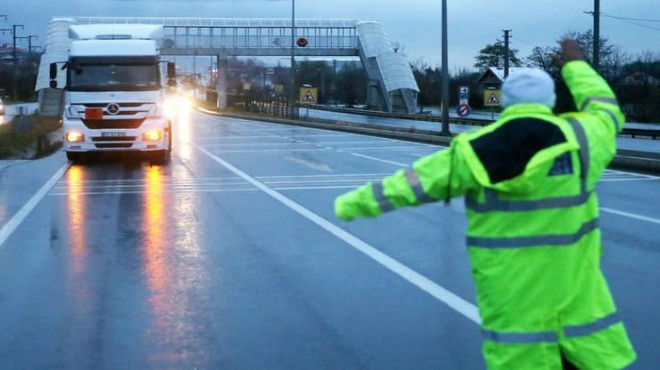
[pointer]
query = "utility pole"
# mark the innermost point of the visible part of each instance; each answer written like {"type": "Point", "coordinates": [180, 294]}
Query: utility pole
{"type": "Point", "coordinates": [29, 38]}
{"type": "Point", "coordinates": [596, 47]}
{"type": "Point", "coordinates": [507, 35]}
{"type": "Point", "coordinates": [15, 61]}
{"type": "Point", "coordinates": [30, 44]}
{"type": "Point", "coordinates": [444, 90]}
{"type": "Point", "coordinates": [292, 106]}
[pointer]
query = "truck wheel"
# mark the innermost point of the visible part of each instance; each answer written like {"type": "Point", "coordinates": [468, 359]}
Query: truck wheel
{"type": "Point", "coordinates": [167, 153]}
{"type": "Point", "coordinates": [75, 156]}
{"type": "Point", "coordinates": [163, 156]}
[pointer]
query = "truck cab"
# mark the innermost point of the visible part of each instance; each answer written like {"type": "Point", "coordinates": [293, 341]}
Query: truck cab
{"type": "Point", "coordinates": [115, 91]}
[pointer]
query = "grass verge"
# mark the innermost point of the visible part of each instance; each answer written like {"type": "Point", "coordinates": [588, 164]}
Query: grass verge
{"type": "Point", "coordinates": [28, 139]}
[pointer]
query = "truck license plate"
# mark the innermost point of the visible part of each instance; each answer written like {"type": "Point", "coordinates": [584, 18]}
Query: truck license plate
{"type": "Point", "coordinates": [113, 134]}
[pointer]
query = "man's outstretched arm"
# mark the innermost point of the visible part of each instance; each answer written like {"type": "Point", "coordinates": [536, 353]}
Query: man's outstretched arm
{"type": "Point", "coordinates": [438, 176]}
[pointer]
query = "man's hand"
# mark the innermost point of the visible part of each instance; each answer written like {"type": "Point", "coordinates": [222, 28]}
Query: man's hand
{"type": "Point", "coordinates": [570, 50]}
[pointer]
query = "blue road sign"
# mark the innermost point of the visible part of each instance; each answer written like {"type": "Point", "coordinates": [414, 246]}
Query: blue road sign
{"type": "Point", "coordinates": [463, 110]}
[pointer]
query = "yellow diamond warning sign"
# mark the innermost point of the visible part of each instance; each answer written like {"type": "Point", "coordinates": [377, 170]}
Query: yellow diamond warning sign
{"type": "Point", "coordinates": [308, 95]}
{"type": "Point", "coordinates": [492, 98]}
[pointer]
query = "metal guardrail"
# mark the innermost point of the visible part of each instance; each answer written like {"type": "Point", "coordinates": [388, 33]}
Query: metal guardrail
{"type": "Point", "coordinates": [633, 132]}
{"type": "Point", "coordinates": [627, 131]}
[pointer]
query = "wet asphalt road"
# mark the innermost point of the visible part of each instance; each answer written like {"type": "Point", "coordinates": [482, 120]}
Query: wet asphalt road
{"type": "Point", "coordinates": [229, 257]}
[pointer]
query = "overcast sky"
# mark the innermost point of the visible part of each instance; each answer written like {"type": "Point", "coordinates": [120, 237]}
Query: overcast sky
{"type": "Point", "coordinates": [414, 24]}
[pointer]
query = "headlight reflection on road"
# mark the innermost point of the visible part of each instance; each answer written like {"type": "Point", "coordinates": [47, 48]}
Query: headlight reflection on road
{"type": "Point", "coordinates": [174, 271]}
{"type": "Point", "coordinates": [76, 207]}
{"type": "Point", "coordinates": [183, 135]}
{"type": "Point", "coordinates": [154, 228]}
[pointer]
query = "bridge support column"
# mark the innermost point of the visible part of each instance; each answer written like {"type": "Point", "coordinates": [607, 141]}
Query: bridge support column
{"type": "Point", "coordinates": [375, 99]}
{"type": "Point", "coordinates": [221, 85]}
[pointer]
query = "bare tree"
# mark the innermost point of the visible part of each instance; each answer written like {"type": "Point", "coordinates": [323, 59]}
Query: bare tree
{"type": "Point", "coordinates": [492, 55]}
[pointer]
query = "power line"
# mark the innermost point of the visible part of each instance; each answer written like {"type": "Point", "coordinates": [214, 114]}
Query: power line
{"type": "Point", "coordinates": [523, 41]}
{"type": "Point", "coordinates": [631, 19]}
{"type": "Point", "coordinates": [631, 22]}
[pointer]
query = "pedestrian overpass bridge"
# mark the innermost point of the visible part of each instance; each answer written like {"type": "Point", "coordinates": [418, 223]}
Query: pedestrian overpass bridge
{"type": "Point", "coordinates": [391, 88]}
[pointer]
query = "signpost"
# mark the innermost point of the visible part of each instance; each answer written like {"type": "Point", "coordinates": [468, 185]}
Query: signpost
{"type": "Point", "coordinates": [492, 99]}
{"type": "Point", "coordinates": [308, 95]}
{"type": "Point", "coordinates": [463, 108]}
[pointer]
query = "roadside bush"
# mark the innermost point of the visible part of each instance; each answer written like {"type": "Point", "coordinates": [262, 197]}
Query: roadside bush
{"type": "Point", "coordinates": [27, 137]}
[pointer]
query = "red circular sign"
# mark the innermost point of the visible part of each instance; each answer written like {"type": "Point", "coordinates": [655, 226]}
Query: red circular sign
{"type": "Point", "coordinates": [302, 42]}
{"type": "Point", "coordinates": [463, 110]}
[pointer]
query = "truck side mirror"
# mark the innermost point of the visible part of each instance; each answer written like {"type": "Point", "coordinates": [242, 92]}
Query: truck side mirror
{"type": "Point", "coordinates": [171, 70]}
{"type": "Point", "coordinates": [171, 75]}
{"type": "Point", "coordinates": [53, 75]}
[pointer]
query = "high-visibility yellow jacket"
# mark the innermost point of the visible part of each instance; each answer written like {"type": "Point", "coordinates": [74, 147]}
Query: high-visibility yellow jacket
{"type": "Point", "coordinates": [533, 235]}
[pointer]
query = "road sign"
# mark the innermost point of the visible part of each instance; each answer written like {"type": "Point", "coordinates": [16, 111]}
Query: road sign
{"type": "Point", "coordinates": [302, 42]}
{"type": "Point", "coordinates": [464, 92]}
{"type": "Point", "coordinates": [492, 98]}
{"type": "Point", "coordinates": [308, 95]}
{"type": "Point", "coordinates": [463, 110]}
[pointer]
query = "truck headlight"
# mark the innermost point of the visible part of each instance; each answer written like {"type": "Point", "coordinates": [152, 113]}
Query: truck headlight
{"type": "Point", "coordinates": [74, 136]}
{"type": "Point", "coordinates": [151, 135]}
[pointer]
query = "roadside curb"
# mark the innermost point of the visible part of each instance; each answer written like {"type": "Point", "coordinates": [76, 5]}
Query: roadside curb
{"type": "Point", "coordinates": [636, 160]}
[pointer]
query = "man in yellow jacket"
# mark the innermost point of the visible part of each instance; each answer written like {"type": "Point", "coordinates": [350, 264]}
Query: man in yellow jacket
{"type": "Point", "coordinates": [533, 236]}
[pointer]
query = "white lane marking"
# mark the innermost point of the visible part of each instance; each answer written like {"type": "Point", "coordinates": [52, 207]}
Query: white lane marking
{"type": "Point", "coordinates": [633, 174]}
{"type": "Point", "coordinates": [20, 216]}
{"type": "Point", "coordinates": [319, 187]}
{"type": "Point", "coordinates": [339, 175]}
{"type": "Point", "coordinates": [233, 145]}
{"type": "Point", "coordinates": [310, 164]}
{"type": "Point", "coordinates": [631, 215]}
{"type": "Point", "coordinates": [168, 191]}
{"type": "Point", "coordinates": [457, 303]}
{"type": "Point", "coordinates": [384, 148]}
{"type": "Point", "coordinates": [380, 160]}
{"type": "Point", "coordinates": [620, 179]}
{"type": "Point", "coordinates": [220, 146]}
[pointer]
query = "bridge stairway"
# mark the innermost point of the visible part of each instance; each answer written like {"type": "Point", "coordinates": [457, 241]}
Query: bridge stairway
{"type": "Point", "coordinates": [392, 86]}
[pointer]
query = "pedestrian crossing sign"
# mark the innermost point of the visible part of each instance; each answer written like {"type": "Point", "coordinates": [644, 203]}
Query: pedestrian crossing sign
{"type": "Point", "coordinates": [492, 98]}
{"type": "Point", "coordinates": [308, 95]}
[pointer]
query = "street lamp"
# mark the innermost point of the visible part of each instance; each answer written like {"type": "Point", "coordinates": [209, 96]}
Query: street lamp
{"type": "Point", "coordinates": [596, 41]}
{"type": "Point", "coordinates": [292, 93]}
{"type": "Point", "coordinates": [445, 73]}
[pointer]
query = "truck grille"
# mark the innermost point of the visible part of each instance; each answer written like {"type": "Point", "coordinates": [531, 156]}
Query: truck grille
{"type": "Point", "coordinates": [96, 124]}
{"type": "Point", "coordinates": [128, 115]}
{"type": "Point", "coordinates": [113, 138]}
{"type": "Point", "coordinates": [114, 145]}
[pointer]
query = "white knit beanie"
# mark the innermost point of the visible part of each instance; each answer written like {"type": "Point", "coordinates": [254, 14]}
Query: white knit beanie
{"type": "Point", "coordinates": [528, 85]}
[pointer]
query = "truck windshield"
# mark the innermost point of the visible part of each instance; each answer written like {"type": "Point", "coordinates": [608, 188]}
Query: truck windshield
{"type": "Point", "coordinates": [112, 77]}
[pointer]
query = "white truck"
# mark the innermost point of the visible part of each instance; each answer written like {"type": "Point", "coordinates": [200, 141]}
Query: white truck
{"type": "Point", "coordinates": [114, 93]}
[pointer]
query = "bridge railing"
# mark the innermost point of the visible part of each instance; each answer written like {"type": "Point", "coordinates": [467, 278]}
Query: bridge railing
{"type": "Point", "coordinates": [257, 37]}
